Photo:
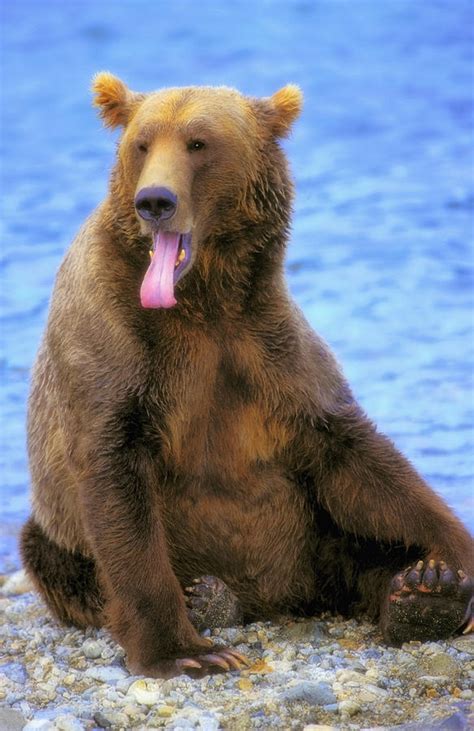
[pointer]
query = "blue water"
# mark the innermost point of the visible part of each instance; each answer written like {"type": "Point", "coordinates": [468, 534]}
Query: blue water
{"type": "Point", "coordinates": [381, 259]}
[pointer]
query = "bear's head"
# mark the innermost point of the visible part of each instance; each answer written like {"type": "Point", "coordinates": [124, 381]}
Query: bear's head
{"type": "Point", "coordinates": [200, 176]}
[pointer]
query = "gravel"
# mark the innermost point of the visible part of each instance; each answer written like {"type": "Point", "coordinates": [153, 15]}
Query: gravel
{"type": "Point", "coordinates": [315, 674]}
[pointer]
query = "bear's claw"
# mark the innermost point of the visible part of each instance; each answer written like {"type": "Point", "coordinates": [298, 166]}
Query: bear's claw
{"type": "Point", "coordinates": [220, 659]}
{"type": "Point", "coordinates": [235, 659]}
{"type": "Point", "coordinates": [187, 662]}
{"type": "Point", "coordinates": [214, 659]}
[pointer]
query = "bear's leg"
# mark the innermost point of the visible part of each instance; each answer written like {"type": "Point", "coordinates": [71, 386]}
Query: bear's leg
{"type": "Point", "coordinates": [372, 492]}
{"type": "Point", "coordinates": [212, 604]}
{"type": "Point", "coordinates": [146, 611]}
{"type": "Point", "coordinates": [427, 601]}
{"type": "Point", "coordinates": [66, 580]}
{"type": "Point", "coordinates": [68, 583]}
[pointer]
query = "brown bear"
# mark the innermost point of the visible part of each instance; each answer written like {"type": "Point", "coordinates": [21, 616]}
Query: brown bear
{"type": "Point", "coordinates": [186, 422]}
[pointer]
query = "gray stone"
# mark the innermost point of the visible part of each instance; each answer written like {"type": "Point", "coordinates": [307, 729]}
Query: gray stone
{"type": "Point", "coordinates": [106, 674]}
{"type": "Point", "coordinates": [465, 643]}
{"type": "Point", "coordinates": [16, 672]}
{"type": "Point", "coordinates": [11, 720]}
{"type": "Point", "coordinates": [68, 723]}
{"type": "Point", "coordinates": [440, 663]}
{"type": "Point", "coordinates": [352, 676]}
{"type": "Point", "coordinates": [456, 722]}
{"type": "Point", "coordinates": [349, 708]}
{"type": "Point", "coordinates": [101, 720]}
{"type": "Point", "coordinates": [370, 693]}
{"type": "Point", "coordinates": [316, 694]}
{"type": "Point", "coordinates": [433, 681]}
{"type": "Point", "coordinates": [208, 723]}
{"type": "Point", "coordinates": [38, 724]}
{"type": "Point", "coordinates": [331, 708]}
{"type": "Point", "coordinates": [234, 635]}
{"type": "Point", "coordinates": [302, 631]}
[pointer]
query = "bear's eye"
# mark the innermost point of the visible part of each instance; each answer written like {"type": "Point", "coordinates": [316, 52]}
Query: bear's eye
{"type": "Point", "coordinates": [142, 147]}
{"type": "Point", "coordinates": [195, 145]}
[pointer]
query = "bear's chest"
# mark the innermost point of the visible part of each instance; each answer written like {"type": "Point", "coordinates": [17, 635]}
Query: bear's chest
{"type": "Point", "coordinates": [219, 421]}
{"type": "Point", "coordinates": [218, 433]}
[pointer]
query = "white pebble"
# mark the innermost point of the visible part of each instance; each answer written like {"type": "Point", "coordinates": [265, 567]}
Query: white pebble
{"type": "Point", "coordinates": [92, 649]}
{"type": "Point", "coordinates": [146, 692]}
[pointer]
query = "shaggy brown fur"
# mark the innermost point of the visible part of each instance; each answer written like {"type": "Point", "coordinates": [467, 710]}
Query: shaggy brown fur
{"type": "Point", "coordinates": [216, 437]}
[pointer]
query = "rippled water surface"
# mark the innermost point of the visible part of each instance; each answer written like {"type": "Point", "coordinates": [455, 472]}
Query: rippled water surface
{"type": "Point", "coordinates": [381, 259]}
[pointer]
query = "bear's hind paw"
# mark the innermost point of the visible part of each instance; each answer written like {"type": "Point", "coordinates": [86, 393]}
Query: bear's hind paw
{"type": "Point", "coordinates": [212, 604]}
{"type": "Point", "coordinates": [428, 602]}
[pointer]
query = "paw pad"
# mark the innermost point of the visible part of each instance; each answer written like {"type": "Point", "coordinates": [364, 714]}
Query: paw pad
{"type": "Point", "coordinates": [212, 604]}
{"type": "Point", "coordinates": [428, 601]}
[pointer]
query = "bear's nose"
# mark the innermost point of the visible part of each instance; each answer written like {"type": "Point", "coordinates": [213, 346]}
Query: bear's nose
{"type": "Point", "coordinates": [155, 204]}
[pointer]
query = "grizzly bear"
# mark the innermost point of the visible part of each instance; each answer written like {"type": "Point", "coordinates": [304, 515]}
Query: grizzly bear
{"type": "Point", "coordinates": [197, 457]}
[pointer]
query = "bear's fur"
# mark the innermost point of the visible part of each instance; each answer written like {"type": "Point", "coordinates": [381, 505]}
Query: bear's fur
{"type": "Point", "coordinates": [217, 436]}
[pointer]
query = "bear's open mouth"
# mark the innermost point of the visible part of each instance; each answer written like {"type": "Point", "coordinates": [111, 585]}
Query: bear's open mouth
{"type": "Point", "coordinates": [170, 259]}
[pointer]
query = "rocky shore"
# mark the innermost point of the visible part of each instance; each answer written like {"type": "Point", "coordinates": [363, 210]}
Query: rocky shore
{"type": "Point", "coordinates": [315, 674]}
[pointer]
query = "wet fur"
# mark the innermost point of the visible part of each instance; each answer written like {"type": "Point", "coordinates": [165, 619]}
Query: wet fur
{"type": "Point", "coordinates": [218, 437]}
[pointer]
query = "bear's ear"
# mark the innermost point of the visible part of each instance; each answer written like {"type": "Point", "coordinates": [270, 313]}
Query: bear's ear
{"type": "Point", "coordinates": [282, 109]}
{"type": "Point", "coordinates": [114, 99]}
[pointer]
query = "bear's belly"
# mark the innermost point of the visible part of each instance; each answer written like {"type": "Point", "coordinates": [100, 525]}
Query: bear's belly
{"type": "Point", "coordinates": [256, 535]}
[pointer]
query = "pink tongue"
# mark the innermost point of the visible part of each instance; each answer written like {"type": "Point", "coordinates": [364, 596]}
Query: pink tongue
{"type": "Point", "coordinates": [157, 288]}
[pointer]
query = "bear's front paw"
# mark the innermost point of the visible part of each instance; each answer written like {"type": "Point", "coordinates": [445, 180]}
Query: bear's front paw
{"type": "Point", "coordinates": [207, 660]}
{"type": "Point", "coordinates": [428, 601]}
